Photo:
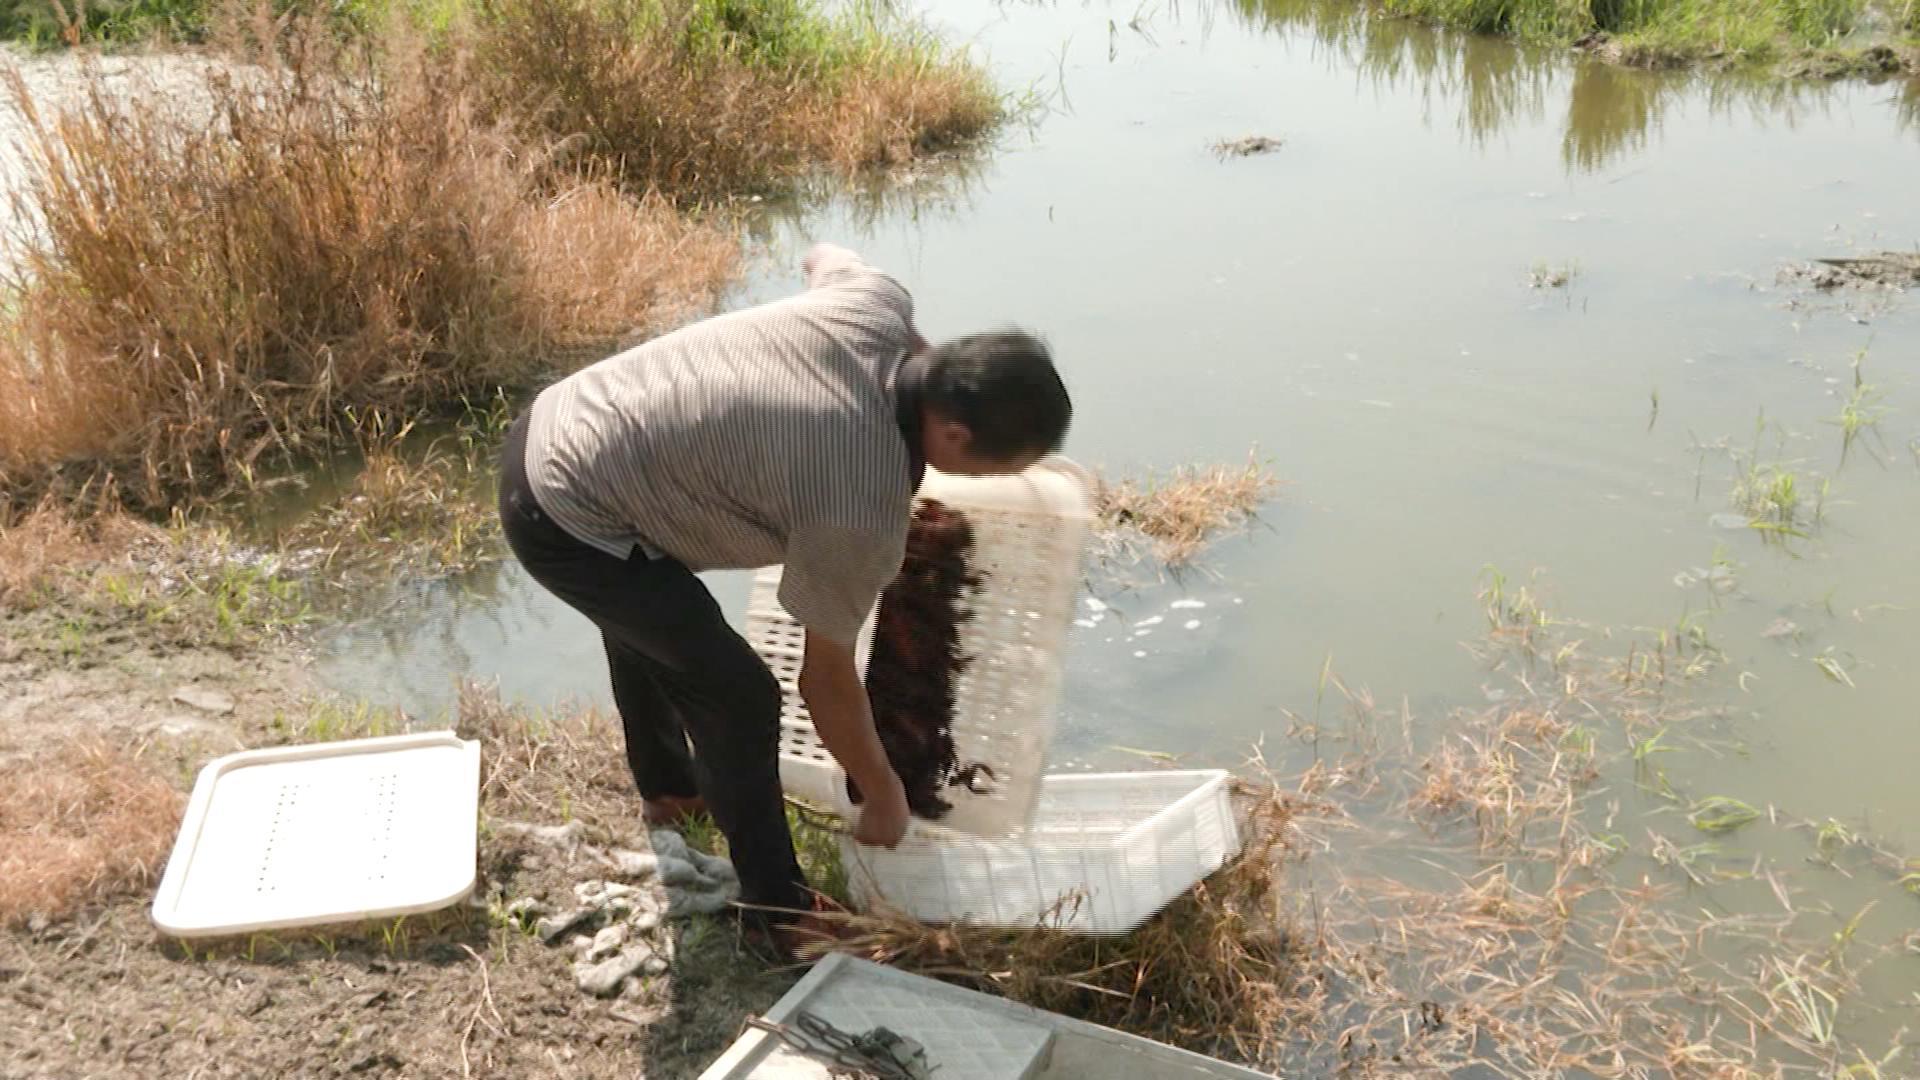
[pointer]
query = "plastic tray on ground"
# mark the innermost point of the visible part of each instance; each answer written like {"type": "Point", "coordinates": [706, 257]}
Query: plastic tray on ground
{"type": "Point", "coordinates": [1030, 532]}
{"type": "Point", "coordinates": [1105, 852]}
{"type": "Point", "coordinates": [324, 833]}
{"type": "Point", "coordinates": [967, 1035]}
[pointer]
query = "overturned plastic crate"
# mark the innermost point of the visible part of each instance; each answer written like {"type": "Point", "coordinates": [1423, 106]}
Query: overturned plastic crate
{"type": "Point", "coordinates": [1030, 532]}
{"type": "Point", "coordinates": [1105, 852]}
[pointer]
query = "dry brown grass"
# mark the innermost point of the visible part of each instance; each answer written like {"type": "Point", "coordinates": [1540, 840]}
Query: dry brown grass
{"type": "Point", "coordinates": [49, 547]}
{"type": "Point", "coordinates": [220, 281]}
{"type": "Point", "coordinates": [74, 578]}
{"type": "Point", "coordinates": [78, 824]}
{"type": "Point", "coordinates": [697, 125]}
{"type": "Point", "coordinates": [899, 109]}
{"type": "Point", "coordinates": [1173, 517]}
{"type": "Point", "coordinates": [562, 766]}
{"type": "Point", "coordinates": [391, 220]}
{"type": "Point", "coordinates": [703, 101]}
{"type": "Point", "coordinates": [1218, 971]}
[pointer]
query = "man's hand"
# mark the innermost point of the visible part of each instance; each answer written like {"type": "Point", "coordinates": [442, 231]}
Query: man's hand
{"type": "Point", "coordinates": [843, 718]}
{"type": "Point", "coordinates": [883, 817]}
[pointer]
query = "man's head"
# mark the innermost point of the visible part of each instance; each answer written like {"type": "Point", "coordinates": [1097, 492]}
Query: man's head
{"type": "Point", "coordinates": [992, 403]}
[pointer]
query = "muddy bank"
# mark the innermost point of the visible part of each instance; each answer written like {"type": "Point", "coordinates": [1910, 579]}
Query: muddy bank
{"type": "Point", "coordinates": [477, 990]}
{"type": "Point", "coordinates": [104, 996]}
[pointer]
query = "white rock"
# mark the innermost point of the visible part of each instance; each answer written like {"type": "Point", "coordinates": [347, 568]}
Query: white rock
{"type": "Point", "coordinates": [1152, 620]}
{"type": "Point", "coordinates": [557, 835]}
{"type": "Point", "coordinates": [635, 864]}
{"type": "Point", "coordinates": [599, 893]}
{"type": "Point", "coordinates": [604, 978]}
{"type": "Point", "coordinates": [1185, 605]}
{"type": "Point", "coordinates": [553, 927]}
{"type": "Point", "coordinates": [608, 941]}
{"type": "Point", "coordinates": [205, 698]}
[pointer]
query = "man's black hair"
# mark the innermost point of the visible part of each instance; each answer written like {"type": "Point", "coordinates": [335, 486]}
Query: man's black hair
{"type": "Point", "coordinates": [1003, 387]}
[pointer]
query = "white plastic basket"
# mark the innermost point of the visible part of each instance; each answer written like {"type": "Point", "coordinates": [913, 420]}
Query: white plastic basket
{"type": "Point", "coordinates": [1030, 532]}
{"type": "Point", "coordinates": [327, 833]}
{"type": "Point", "coordinates": [1105, 852]}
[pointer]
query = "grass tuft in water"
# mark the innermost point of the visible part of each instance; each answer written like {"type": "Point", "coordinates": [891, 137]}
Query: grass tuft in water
{"type": "Point", "coordinates": [1830, 666]}
{"type": "Point", "coordinates": [1719, 813]}
{"type": "Point", "coordinates": [1861, 413]}
{"type": "Point", "coordinates": [1171, 518]}
{"type": "Point", "coordinates": [1545, 275]}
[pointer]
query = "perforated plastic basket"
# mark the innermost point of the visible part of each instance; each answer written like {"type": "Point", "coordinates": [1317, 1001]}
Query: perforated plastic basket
{"type": "Point", "coordinates": [326, 833]}
{"type": "Point", "coordinates": [1030, 532]}
{"type": "Point", "coordinates": [1105, 852]}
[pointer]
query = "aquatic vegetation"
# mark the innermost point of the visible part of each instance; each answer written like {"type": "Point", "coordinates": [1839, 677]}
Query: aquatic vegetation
{"type": "Point", "coordinates": [1246, 146]}
{"type": "Point", "coordinates": [1861, 413]}
{"type": "Point", "coordinates": [1770, 496]}
{"type": "Point", "coordinates": [1778, 503]}
{"type": "Point", "coordinates": [1546, 275]}
{"type": "Point", "coordinates": [1830, 666]}
{"type": "Point", "coordinates": [1719, 813]}
{"type": "Point", "coordinates": [1171, 518]}
{"type": "Point", "coordinates": [1521, 908]}
{"type": "Point", "coordinates": [414, 505]}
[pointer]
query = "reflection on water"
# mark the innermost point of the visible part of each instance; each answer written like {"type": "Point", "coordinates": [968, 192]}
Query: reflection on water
{"type": "Point", "coordinates": [1610, 114]}
{"type": "Point", "coordinates": [1612, 111]}
{"type": "Point", "coordinates": [943, 186]}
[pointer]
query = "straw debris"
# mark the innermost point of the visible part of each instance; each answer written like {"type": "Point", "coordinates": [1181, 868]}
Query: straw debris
{"type": "Point", "coordinates": [1219, 971]}
{"type": "Point", "coordinates": [78, 825]}
{"type": "Point", "coordinates": [1172, 518]}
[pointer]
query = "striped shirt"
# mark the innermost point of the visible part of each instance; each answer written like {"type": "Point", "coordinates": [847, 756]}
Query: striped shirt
{"type": "Point", "coordinates": [764, 436]}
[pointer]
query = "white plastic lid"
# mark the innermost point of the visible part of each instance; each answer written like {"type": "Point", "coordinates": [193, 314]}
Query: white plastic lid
{"type": "Point", "coordinates": [325, 833]}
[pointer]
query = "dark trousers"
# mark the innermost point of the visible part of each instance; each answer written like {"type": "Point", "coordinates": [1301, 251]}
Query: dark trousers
{"type": "Point", "coordinates": [680, 674]}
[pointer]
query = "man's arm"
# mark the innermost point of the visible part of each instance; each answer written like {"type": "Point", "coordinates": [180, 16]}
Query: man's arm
{"type": "Point", "coordinates": [843, 718]}
{"type": "Point", "coordinates": [829, 584]}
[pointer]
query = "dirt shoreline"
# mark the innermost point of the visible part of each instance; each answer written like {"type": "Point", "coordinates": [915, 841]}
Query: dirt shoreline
{"type": "Point", "coordinates": [469, 992]}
